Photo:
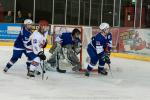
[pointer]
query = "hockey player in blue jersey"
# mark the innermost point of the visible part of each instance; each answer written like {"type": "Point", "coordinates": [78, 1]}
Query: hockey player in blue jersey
{"type": "Point", "coordinates": [20, 44]}
{"type": "Point", "coordinates": [68, 44]}
{"type": "Point", "coordinates": [99, 49]}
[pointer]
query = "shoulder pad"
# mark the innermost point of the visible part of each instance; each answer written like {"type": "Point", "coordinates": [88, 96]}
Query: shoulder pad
{"type": "Point", "coordinates": [93, 38]}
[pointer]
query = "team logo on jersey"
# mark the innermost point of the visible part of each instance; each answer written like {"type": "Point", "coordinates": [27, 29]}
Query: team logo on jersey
{"type": "Point", "coordinates": [35, 41]}
{"type": "Point", "coordinates": [98, 43]}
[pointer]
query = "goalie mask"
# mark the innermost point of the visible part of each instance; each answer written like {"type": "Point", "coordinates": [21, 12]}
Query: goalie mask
{"type": "Point", "coordinates": [76, 33]}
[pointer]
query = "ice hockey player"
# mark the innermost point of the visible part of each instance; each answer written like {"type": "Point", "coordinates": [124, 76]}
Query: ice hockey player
{"type": "Point", "coordinates": [20, 44]}
{"type": "Point", "coordinates": [68, 45]}
{"type": "Point", "coordinates": [37, 43]}
{"type": "Point", "coordinates": [99, 49]}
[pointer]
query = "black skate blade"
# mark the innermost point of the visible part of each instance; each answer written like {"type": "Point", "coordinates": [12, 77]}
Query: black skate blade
{"type": "Point", "coordinates": [61, 70]}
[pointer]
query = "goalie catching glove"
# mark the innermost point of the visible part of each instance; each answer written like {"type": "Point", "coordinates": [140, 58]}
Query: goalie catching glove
{"type": "Point", "coordinates": [42, 55]}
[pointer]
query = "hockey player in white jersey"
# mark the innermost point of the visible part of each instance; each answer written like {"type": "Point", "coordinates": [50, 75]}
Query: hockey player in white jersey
{"type": "Point", "coordinates": [37, 43]}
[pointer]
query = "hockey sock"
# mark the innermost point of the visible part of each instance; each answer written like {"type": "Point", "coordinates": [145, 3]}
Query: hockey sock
{"type": "Point", "coordinates": [9, 64]}
{"type": "Point", "coordinates": [28, 65]}
{"type": "Point", "coordinates": [89, 68]}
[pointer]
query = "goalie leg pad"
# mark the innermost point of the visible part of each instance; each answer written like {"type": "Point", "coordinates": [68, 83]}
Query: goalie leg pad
{"type": "Point", "coordinates": [74, 60]}
{"type": "Point", "coordinates": [52, 61]}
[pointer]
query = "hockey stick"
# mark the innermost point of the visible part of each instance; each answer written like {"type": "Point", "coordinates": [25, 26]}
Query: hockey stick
{"type": "Point", "coordinates": [43, 68]}
{"type": "Point", "coordinates": [110, 70]}
{"type": "Point", "coordinates": [57, 65]}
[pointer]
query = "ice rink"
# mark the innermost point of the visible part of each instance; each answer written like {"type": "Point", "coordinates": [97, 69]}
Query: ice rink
{"type": "Point", "coordinates": [130, 81]}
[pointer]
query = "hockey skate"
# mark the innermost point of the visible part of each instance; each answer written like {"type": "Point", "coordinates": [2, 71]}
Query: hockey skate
{"type": "Point", "coordinates": [5, 69]}
{"type": "Point", "coordinates": [102, 71]}
{"type": "Point", "coordinates": [37, 72]}
{"type": "Point", "coordinates": [31, 74]}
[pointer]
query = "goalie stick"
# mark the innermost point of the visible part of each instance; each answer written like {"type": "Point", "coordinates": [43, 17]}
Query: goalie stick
{"type": "Point", "coordinates": [57, 65]}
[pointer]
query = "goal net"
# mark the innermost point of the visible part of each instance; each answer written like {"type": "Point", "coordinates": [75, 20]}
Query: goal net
{"type": "Point", "coordinates": [86, 34]}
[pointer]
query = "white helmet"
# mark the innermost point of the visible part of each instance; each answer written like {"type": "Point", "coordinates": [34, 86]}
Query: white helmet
{"type": "Point", "coordinates": [28, 21]}
{"type": "Point", "coordinates": [104, 26]}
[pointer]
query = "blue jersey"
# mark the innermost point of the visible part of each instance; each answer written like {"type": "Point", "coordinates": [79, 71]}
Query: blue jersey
{"type": "Point", "coordinates": [22, 38]}
{"type": "Point", "coordinates": [18, 42]}
{"type": "Point", "coordinates": [98, 43]}
{"type": "Point", "coordinates": [68, 39]}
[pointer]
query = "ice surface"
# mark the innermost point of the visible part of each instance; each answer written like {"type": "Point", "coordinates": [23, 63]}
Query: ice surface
{"type": "Point", "coordinates": [130, 81]}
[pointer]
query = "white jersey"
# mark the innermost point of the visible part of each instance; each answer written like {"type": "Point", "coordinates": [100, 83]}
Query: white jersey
{"type": "Point", "coordinates": [37, 41]}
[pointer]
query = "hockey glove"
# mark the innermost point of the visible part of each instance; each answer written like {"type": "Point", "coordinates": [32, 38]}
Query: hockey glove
{"type": "Point", "coordinates": [42, 55]}
{"type": "Point", "coordinates": [107, 50]}
{"type": "Point", "coordinates": [106, 58]}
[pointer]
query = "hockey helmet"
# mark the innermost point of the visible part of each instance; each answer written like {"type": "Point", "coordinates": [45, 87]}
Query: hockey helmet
{"type": "Point", "coordinates": [104, 26]}
{"type": "Point", "coordinates": [28, 21]}
{"type": "Point", "coordinates": [43, 25]}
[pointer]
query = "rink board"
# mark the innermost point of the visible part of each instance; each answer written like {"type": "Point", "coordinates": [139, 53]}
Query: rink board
{"type": "Point", "coordinates": [122, 55]}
